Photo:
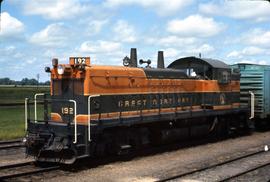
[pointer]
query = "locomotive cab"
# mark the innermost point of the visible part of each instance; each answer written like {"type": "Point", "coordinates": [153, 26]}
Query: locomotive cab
{"type": "Point", "coordinates": [204, 68]}
{"type": "Point", "coordinates": [60, 139]}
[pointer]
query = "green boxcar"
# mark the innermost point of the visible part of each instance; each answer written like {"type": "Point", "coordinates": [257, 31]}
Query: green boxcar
{"type": "Point", "coordinates": [256, 78]}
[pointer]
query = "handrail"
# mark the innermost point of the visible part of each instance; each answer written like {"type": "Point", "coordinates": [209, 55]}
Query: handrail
{"type": "Point", "coordinates": [38, 94]}
{"type": "Point", "coordinates": [75, 120]}
{"type": "Point", "coordinates": [26, 113]}
{"type": "Point", "coordinates": [252, 104]}
{"type": "Point", "coordinates": [89, 112]}
{"type": "Point", "coordinates": [159, 104]}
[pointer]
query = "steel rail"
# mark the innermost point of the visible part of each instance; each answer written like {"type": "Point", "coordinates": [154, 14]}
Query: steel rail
{"type": "Point", "coordinates": [245, 172]}
{"type": "Point", "coordinates": [11, 144]}
{"type": "Point", "coordinates": [27, 173]}
{"type": "Point", "coordinates": [10, 141]}
{"type": "Point", "coordinates": [15, 165]}
{"type": "Point", "coordinates": [211, 166]}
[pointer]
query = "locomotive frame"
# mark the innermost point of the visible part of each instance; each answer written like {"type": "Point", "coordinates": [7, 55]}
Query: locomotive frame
{"type": "Point", "coordinates": [100, 110]}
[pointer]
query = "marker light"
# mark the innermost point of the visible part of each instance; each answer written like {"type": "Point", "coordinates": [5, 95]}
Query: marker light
{"type": "Point", "coordinates": [266, 148]}
{"type": "Point", "coordinates": [24, 140]}
{"type": "Point", "coordinates": [47, 69]}
{"type": "Point", "coordinates": [60, 69]}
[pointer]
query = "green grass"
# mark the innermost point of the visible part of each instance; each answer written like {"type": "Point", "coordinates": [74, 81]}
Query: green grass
{"type": "Point", "coordinates": [18, 94]}
{"type": "Point", "coordinates": [12, 117]}
{"type": "Point", "coordinates": [12, 122]}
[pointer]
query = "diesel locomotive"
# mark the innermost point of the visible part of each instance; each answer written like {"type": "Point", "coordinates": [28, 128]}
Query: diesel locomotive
{"type": "Point", "coordinates": [97, 110]}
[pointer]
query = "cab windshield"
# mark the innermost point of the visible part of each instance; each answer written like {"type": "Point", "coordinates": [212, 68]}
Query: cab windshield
{"type": "Point", "coordinates": [67, 87]}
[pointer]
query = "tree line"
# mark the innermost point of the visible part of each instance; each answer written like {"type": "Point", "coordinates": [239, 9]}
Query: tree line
{"type": "Point", "coordinates": [24, 81]}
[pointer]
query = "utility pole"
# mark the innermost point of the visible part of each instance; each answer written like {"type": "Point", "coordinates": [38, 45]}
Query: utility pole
{"type": "Point", "coordinates": [37, 80]}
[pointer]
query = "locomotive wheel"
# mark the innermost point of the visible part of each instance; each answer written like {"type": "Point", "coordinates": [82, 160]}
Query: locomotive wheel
{"type": "Point", "coordinates": [41, 164]}
{"type": "Point", "coordinates": [223, 127]}
{"type": "Point", "coordinates": [155, 136]}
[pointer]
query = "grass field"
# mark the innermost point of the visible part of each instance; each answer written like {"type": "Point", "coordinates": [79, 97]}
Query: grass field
{"type": "Point", "coordinates": [12, 117]}
{"type": "Point", "coordinates": [11, 122]}
{"type": "Point", "coordinates": [18, 94]}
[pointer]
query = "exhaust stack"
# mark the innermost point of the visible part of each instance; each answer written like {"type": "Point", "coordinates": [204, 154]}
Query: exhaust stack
{"type": "Point", "coordinates": [160, 62]}
{"type": "Point", "coordinates": [133, 57]}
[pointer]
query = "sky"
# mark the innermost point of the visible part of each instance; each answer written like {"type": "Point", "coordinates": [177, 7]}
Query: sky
{"type": "Point", "coordinates": [35, 31]}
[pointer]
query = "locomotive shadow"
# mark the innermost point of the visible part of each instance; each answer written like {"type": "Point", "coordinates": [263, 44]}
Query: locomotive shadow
{"type": "Point", "coordinates": [90, 163]}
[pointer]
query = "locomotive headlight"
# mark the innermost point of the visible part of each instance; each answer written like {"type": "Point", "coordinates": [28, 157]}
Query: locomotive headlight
{"type": "Point", "coordinates": [60, 69]}
{"type": "Point", "coordinates": [24, 140]}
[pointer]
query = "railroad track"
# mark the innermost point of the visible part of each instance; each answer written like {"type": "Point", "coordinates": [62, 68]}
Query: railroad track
{"type": "Point", "coordinates": [23, 169]}
{"type": "Point", "coordinates": [11, 144]}
{"type": "Point", "coordinates": [226, 170]}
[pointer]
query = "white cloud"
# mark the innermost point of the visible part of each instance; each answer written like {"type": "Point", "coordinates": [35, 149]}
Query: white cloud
{"type": "Point", "coordinates": [175, 47]}
{"type": "Point", "coordinates": [170, 53]}
{"type": "Point", "coordinates": [7, 51]}
{"type": "Point", "coordinates": [10, 52]}
{"type": "Point", "coordinates": [195, 26]}
{"type": "Point", "coordinates": [54, 9]}
{"type": "Point", "coordinates": [263, 62]}
{"type": "Point", "coordinates": [234, 54]}
{"type": "Point", "coordinates": [31, 60]}
{"type": "Point", "coordinates": [95, 26]}
{"type": "Point", "coordinates": [173, 53]}
{"type": "Point", "coordinates": [250, 61]}
{"type": "Point", "coordinates": [254, 43]}
{"type": "Point", "coordinates": [102, 52]}
{"type": "Point", "coordinates": [173, 40]}
{"type": "Point", "coordinates": [251, 51]}
{"type": "Point", "coordinates": [247, 51]}
{"type": "Point", "coordinates": [195, 50]}
{"type": "Point", "coordinates": [10, 26]}
{"type": "Point", "coordinates": [160, 6]}
{"type": "Point", "coordinates": [54, 35]}
{"type": "Point", "coordinates": [204, 49]}
{"type": "Point", "coordinates": [258, 37]}
{"type": "Point", "coordinates": [124, 32]}
{"type": "Point", "coordinates": [100, 47]}
{"type": "Point", "coordinates": [255, 10]}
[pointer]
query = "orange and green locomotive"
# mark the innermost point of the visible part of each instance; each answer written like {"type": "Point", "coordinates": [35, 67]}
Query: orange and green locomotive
{"type": "Point", "coordinates": [98, 110]}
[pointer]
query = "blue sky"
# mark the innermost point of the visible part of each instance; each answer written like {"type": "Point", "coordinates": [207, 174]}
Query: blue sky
{"type": "Point", "coordinates": [35, 31]}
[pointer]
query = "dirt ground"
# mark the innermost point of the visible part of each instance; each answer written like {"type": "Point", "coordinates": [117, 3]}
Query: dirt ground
{"type": "Point", "coordinates": [152, 168]}
{"type": "Point", "coordinates": [13, 156]}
